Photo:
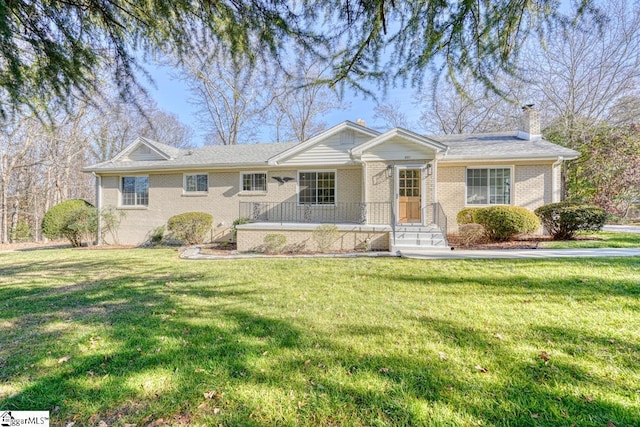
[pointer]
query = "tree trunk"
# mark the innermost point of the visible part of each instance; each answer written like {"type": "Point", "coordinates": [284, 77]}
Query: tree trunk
{"type": "Point", "coordinates": [3, 201]}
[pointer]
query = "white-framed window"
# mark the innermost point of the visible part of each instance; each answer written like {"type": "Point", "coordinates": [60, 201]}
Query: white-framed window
{"type": "Point", "coordinates": [134, 190]}
{"type": "Point", "coordinates": [317, 187]}
{"type": "Point", "coordinates": [489, 186]}
{"type": "Point", "coordinates": [196, 183]}
{"type": "Point", "coordinates": [253, 181]}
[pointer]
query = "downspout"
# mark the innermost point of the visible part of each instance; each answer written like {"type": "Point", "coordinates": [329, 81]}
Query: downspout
{"type": "Point", "coordinates": [365, 192]}
{"type": "Point", "coordinates": [555, 190]}
{"type": "Point", "coordinates": [435, 180]}
{"type": "Point", "coordinates": [98, 207]}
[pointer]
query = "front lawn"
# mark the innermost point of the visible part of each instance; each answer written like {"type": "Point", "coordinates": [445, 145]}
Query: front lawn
{"type": "Point", "coordinates": [138, 337]}
{"type": "Point", "coordinates": [600, 239]}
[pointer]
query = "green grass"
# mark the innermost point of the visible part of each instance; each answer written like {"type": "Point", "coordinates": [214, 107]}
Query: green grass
{"type": "Point", "coordinates": [135, 336]}
{"type": "Point", "coordinates": [600, 239]}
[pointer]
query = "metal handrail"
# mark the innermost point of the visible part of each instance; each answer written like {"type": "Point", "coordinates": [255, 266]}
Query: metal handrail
{"type": "Point", "coordinates": [372, 213]}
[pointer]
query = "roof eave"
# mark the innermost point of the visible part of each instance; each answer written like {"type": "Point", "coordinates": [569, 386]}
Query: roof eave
{"type": "Point", "coordinates": [174, 167]}
{"type": "Point", "coordinates": [506, 158]}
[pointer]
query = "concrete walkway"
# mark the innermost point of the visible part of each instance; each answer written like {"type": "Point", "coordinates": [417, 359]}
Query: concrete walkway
{"type": "Point", "coordinates": [521, 253]}
{"type": "Point", "coordinates": [193, 253]}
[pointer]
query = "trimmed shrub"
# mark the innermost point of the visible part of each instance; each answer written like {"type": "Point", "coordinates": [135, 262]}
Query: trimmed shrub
{"type": "Point", "coordinates": [502, 223]}
{"type": "Point", "coordinates": [81, 225]}
{"type": "Point", "coordinates": [190, 227]}
{"type": "Point", "coordinates": [236, 223]}
{"type": "Point", "coordinates": [324, 235]}
{"type": "Point", "coordinates": [471, 234]}
{"type": "Point", "coordinates": [273, 243]}
{"type": "Point", "coordinates": [467, 216]}
{"type": "Point", "coordinates": [563, 219]}
{"type": "Point", "coordinates": [58, 216]}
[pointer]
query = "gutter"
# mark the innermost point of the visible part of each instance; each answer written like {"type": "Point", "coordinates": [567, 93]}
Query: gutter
{"type": "Point", "coordinates": [556, 195]}
{"type": "Point", "coordinates": [503, 159]}
{"type": "Point", "coordinates": [174, 167]}
{"type": "Point", "coordinates": [98, 207]}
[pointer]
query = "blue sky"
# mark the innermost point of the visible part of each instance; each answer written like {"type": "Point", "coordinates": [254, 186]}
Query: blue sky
{"type": "Point", "coordinates": [172, 95]}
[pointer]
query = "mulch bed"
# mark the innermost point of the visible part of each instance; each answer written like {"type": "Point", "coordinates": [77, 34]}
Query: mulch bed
{"type": "Point", "coordinates": [520, 242]}
{"type": "Point", "coordinates": [225, 248]}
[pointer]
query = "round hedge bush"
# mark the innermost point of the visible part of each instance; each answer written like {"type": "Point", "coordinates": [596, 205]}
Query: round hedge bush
{"type": "Point", "coordinates": [563, 219]}
{"type": "Point", "coordinates": [58, 217]}
{"type": "Point", "coordinates": [467, 216]}
{"type": "Point", "coordinates": [502, 223]}
{"type": "Point", "coordinates": [82, 225]}
{"type": "Point", "coordinates": [190, 227]}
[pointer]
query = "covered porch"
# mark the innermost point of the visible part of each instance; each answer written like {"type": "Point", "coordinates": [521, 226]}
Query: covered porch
{"type": "Point", "coordinates": [360, 226]}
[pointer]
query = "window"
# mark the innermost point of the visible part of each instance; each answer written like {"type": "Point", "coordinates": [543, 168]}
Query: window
{"type": "Point", "coordinates": [489, 186]}
{"type": "Point", "coordinates": [196, 183]}
{"type": "Point", "coordinates": [317, 188]}
{"type": "Point", "coordinates": [254, 181]}
{"type": "Point", "coordinates": [135, 190]}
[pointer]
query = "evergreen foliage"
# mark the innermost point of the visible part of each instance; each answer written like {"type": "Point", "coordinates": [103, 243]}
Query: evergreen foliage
{"type": "Point", "coordinates": [467, 216]}
{"type": "Point", "coordinates": [563, 219]}
{"type": "Point", "coordinates": [52, 50]}
{"type": "Point", "coordinates": [190, 227]}
{"type": "Point", "coordinates": [58, 217]}
{"type": "Point", "coordinates": [81, 225]}
{"type": "Point", "coordinates": [502, 223]}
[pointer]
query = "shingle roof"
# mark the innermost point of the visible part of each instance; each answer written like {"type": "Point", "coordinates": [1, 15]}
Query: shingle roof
{"type": "Point", "coordinates": [209, 156]}
{"type": "Point", "coordinates": [489, 146]}
{"type": "Point", "coordinates": [502, 145]}
{"type": "Point", "coordinates": [169, 150]}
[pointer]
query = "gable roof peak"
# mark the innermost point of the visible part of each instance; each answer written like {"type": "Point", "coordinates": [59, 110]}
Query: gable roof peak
{"type": "Point", "coordinates": [403, 133]}
{"type": "Point", "coordinates": [304, 145]}
{"type": "Point", "coordinates": [164, 151]}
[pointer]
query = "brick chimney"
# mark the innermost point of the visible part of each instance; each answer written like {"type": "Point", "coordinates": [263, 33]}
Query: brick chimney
{"type": "Point", "coordinates": [529, 124]}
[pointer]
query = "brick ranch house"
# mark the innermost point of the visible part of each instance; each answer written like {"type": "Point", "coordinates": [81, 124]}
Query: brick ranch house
{"type": "Point", "coordinates": [384, 191]}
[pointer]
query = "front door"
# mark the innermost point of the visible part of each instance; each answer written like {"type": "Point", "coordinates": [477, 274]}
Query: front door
{"type": "Point", "coordinates": [409, 184]}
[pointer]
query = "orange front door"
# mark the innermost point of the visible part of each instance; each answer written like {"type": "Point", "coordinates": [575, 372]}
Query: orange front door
{"type": "Point", "coordinates": [409, 196]}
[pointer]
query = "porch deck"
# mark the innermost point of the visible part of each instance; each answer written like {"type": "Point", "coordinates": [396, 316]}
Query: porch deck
{"type": "Point", "coordinates": [360, 225]}
{"type": "Point", "coordinates": [379, 213]}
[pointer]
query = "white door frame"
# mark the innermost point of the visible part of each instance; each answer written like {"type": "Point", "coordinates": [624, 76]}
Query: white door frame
{"type": "Point", "coordinates": [396, 191]}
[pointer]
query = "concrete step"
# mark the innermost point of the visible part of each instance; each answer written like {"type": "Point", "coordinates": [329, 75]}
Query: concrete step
{"type": "Point", "coordinates": [418, 238]}
{"type": "Point", "coordinates": [418, 229]}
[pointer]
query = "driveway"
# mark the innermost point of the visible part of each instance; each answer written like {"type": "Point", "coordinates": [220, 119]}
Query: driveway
{"type": "Point", "coordinates": [622, 228]}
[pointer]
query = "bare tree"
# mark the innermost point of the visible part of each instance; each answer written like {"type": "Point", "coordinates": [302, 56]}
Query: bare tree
{"type": "Point", "coordinates": [231, 94]}
{"type": "Point", "coordinates": [41, 163]}
{"type": "Point", "coordinates": [299, 103]}
{"type": "Point", "coordinates": [113, 124]}
{"type": "Point", "coordinates": [16, 140]}
{"type": "Point", "coordinates": [588, 72]}
{"type": "Point", "coordinates": [461, 104]}
{"type": "Point", "coordinates": [391, 114]}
